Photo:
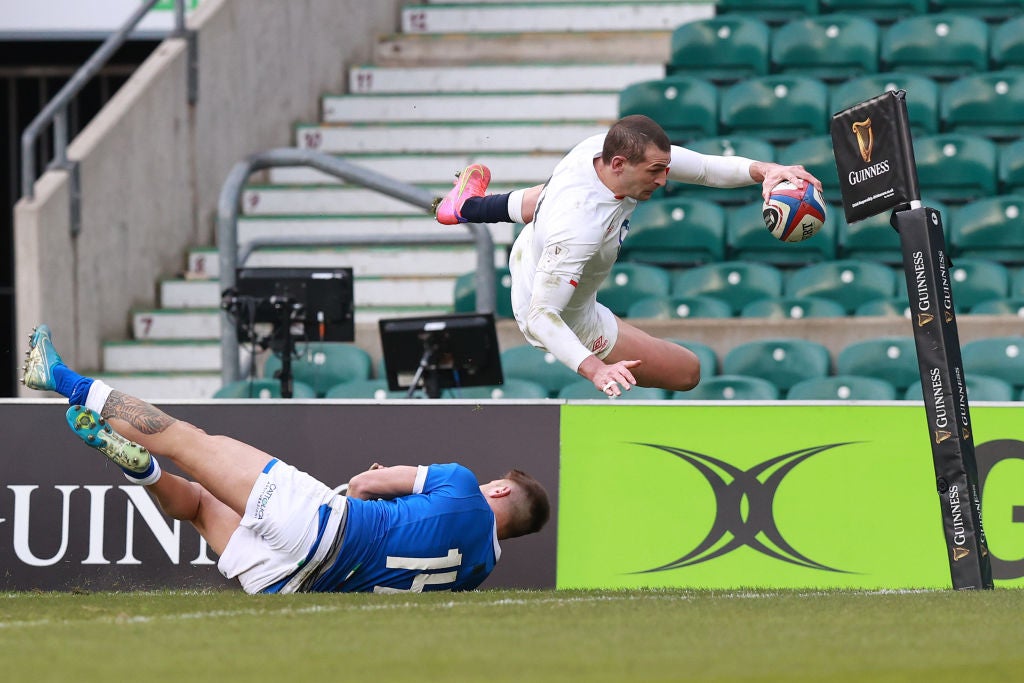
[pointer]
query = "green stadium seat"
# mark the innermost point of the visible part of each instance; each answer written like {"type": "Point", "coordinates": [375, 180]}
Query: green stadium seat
{"type": "Point", "coordinates": [772, 12]}
{"type": "Point", "coordinates": [747, 239]}
{"type": "Point", "coordinates": [979, 388]}
{"type": "Point", "coordinates": [977, 280]}
{"type": "Point", "coordinates": [842, 388]}
{"type": "Point", "coordinates": [262, 389]}
{"type": "Point", "coordinates": [847, 282]}
{"type": "Point", "coordinates": [989, 10]}
{"type": "Point", "coordinates": [832, 47]}
{"type": "Point", "coordinates": [727, 146]}
{"type": "Point", "coordinates": [990, 228]}
{"type": "Point", "coordinates": [675, 231]}
{"type": "Point", "coordinates": [534, 365]}
{"type": "Point", "coordinates": [871, 239]}
{"type": "Point", "coordinates": [989, 104]}
{"type": "Point", "coordinates": [723, 49]}
{"type": "Point", "coordinates": [585, 389]}
{"type": "Point", "coordinates": [779, 108]}
{"type": "Point", "coordinates": [376, 389]}
{"type": "Point", "coordinates": [1010, 167]}
{"type": "Point", "coordinates": [1008, 306]}
{"type": "Point", "coordinates": [1017, 283]}
{"type": "Point", "coordinates": [1006, 44]}
{"type": "Point", "coordinates": [668, 307]}
{"type": "Point", "coordinates": [730, 388]}
{"type": "Point", "coordinates": [881, 11]}
{"type": "Point", "coordinates": [817, 156]}
{"type": "Point", "coordinates": [955, 167]}
{"type": "Point", "coordinates": [686, 107]}
{"type": "Point", "coordinates": [874, 238]}
{"type": "Point", "coordinates": [941, 45]}
{"type": "Point", "coordinates": [628, 282]}
{"type": "Point", "coordinates": [1001, 357]}
{"type": "Point", "coordinates": [793, 308]}
{"type": "Point", "coordinates": [783, 362]}
{"type": "Point", "coordinates": [465, 293]}
{"type": "Point", "coordinates": [893, 359]}
{"type": "Point", "coordinates": [735, 282]}
{"type": "Point", "coordinates": [894, 307]}
{"type": "Point", "coordinates": [321, 365]}
{"type": "Point", "coordinates": [922, 96]}
{"type": "Point", "coordinates": [510, 389]}
{"type": "Point", "coordinates": [705, 354]}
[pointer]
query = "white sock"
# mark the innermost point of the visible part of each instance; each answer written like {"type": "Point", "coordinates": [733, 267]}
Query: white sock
{"type": "Point", "coordinates": [148, 477]}
{"type": "Point", "coordinates": [515, 206]}
{"type": "Point", "coordinates": [98, 395]}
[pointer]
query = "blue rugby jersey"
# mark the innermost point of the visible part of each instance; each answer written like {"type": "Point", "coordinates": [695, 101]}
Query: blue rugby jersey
{"type": "Point", "coordinates": [441, 537]}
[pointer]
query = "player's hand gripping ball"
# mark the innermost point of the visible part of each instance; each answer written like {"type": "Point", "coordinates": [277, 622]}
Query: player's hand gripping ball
{"type": "Point", "coordinates": [793, 214]}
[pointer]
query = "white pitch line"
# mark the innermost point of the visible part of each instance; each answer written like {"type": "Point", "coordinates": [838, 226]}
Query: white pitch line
{"type": "Point", "coordinates": [315, 609]}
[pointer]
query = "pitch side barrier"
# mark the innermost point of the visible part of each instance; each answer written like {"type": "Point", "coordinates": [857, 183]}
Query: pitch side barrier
{"type": "Point", "coordinates": [877, 172]}
{"type": "Point", "coordinates": [656, 494]}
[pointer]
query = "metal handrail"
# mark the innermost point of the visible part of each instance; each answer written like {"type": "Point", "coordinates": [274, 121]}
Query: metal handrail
{"type": "Point", "coordinates": [231, 253]}
{"type": "Point", "coordinates": [56, 110]}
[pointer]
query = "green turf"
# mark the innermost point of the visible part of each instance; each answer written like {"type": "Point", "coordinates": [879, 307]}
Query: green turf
{"type": "Point", "coordinates": [515, 636]}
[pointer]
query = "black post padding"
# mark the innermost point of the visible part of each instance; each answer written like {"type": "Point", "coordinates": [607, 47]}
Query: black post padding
{"type": "Point", "coordinates": [926, 266]}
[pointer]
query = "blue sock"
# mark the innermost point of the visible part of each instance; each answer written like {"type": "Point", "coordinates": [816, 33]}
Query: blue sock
{"type": "Point", "coordinates": [492, 208]}
{"type": "Point", "coordinates": [70, 384]}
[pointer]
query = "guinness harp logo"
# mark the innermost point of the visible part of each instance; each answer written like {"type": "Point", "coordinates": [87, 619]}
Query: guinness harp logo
{"type": "Point", "coordinates": [924, 318]}
{"type": "Point", "coordinates": [865, 138]}
{"type": "Point", "coordinates": [941, 435]}
{"type": "Point", "coordinates": [960, 553]}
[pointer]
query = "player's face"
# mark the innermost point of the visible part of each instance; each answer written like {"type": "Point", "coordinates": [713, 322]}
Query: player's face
{"type": "Point", "coordinates": [640, 180]}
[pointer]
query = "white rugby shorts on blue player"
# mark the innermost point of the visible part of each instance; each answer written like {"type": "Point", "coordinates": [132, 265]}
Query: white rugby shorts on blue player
{"type": "Point", "coordinates": [291, 522]}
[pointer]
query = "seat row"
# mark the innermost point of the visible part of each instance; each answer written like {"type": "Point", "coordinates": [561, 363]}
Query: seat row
{"type": "Point", "coordinates": [783, 365]}
{"type": "Point", "coordinates": [680, 230]}
{"type": "Point", "coordinates": [748, 288]}
{"type": "Point", "coordinates": [782, 108]}
{"type": "Point", "coordinates": [879, 369]}
{"type": "Point", "coordinates": [780, 11]}
{"type": "Point", "coordinates": [731, 47]}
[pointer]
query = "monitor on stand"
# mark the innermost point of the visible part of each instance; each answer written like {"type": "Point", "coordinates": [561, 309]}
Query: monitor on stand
{"type": "Point", "coordinates": [441, 352]}
{"type": "Point", "coordinates": [274, 307]}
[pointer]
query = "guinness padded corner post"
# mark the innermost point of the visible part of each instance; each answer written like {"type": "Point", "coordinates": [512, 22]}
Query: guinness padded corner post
{"type": "Point", "coordinates": [877, 172]}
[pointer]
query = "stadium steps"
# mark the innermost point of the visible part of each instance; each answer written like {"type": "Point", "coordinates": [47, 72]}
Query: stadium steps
{"type": "Point", "coordinates": [551, 79]}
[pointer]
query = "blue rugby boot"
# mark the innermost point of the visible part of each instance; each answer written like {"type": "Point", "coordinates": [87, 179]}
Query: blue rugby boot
{"type": "Point", "coordinates": [95, 432]}
{"type": "Point", "coordinates": [40, 361]}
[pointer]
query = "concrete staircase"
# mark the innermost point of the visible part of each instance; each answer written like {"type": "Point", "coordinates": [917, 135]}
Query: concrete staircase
{"type": "Point", "coordinates": [509, 84]}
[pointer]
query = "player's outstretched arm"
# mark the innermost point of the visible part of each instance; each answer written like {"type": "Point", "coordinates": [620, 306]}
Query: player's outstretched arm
{"type": "Point", "coordinates": [383, 482]}
{"type": "Point", "coordinates": [771, 174]}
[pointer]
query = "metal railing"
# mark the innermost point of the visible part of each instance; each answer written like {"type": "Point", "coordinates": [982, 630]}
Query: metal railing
{"type": "Point", "coordinates": [232, 254]}
{"type": "Point", "coordinates": [56, 110]}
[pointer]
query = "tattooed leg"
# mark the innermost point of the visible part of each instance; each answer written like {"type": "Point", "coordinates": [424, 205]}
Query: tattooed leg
{"type": "Point", "coordinates": [225, 467]}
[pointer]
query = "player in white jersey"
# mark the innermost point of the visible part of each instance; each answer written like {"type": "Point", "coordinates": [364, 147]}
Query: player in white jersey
{"type": "Point", "coordinates": [576, 223]}
{"type": "Point", "coordinates": [279, 530]}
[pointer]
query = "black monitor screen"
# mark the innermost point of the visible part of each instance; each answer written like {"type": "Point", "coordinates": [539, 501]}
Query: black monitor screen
{"type": "Point", "coordinates": [320, 299]}
{"type": "Point", "coordinates": [460, 350]}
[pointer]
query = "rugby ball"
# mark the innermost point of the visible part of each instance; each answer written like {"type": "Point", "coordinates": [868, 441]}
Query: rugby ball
{"type": "Point", "coordinates": [793, 214]}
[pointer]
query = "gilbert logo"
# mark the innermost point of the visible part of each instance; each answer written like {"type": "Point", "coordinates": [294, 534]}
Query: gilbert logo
{"type": "Point", "coordinates": [865, 138]}
{"type": "Point", "coordinates": [924, 318]}
{"type": "Point", "coordinates": [754, 527]}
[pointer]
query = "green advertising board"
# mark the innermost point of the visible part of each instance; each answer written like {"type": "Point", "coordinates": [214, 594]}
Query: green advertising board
{"type": "Point", "coordinates": [780, 495]}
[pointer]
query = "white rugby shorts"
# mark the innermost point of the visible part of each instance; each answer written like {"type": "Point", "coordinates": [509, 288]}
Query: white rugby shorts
{"type": "Point", "coordinates": [280, 534]}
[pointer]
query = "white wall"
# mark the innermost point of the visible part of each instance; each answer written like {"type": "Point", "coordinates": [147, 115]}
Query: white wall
{"type": "Point", "coordinates": [151, 166]}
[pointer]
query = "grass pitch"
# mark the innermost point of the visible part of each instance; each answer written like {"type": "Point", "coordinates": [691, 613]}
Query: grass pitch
{"type": "Point", "coordinates": [515, 636]}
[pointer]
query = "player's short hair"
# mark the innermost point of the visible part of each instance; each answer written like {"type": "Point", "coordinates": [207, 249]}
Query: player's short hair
{"type": "Point", "coordinates": [630, 137]}
{"type": "Point", "coordinates": [534, 509]}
